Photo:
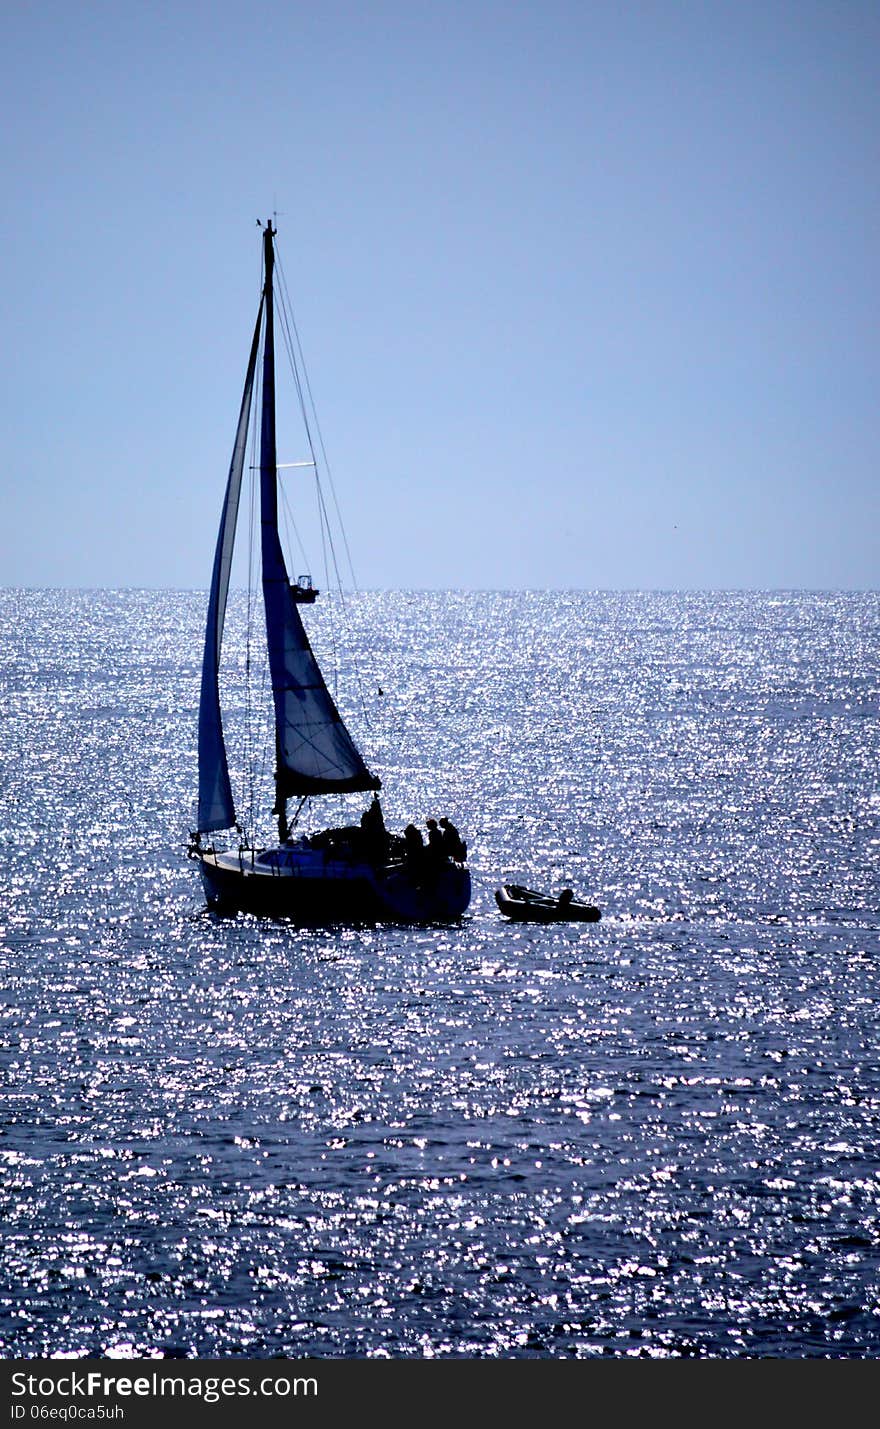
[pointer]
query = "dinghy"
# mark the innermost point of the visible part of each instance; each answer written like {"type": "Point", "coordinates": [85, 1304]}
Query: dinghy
{"type": "Point", "coordinates": [524, 905]}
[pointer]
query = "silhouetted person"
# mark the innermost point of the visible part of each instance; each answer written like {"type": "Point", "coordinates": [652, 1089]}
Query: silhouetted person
{"type": "Point", "coordinates": [414, 845]}
{"type": "Point", "coordinates": [435, 840]}
{"type": "Point", "coordinates": [565, 897]}
{"type": "Point", "coordinates": [452, 844]}
{"type": "Point", "coordinates": [373, 825]}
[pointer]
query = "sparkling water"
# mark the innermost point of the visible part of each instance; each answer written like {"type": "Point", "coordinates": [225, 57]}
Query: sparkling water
{"type": "Point", "coordinates": [657, 1135]}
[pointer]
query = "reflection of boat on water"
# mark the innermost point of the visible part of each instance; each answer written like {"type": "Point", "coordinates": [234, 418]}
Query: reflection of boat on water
{"type": "Point", "coordinates": [350, 874]}
{"type": "Point", "coordinates": [524, 905]}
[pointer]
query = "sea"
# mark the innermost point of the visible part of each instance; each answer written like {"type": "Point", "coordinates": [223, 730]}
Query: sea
{"type": "Point", "coordinates": [656, 1136]}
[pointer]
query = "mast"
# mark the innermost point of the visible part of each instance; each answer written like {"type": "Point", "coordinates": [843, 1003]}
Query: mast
{"type": "Point", "coordinates": [269, 488]}
{"type": "Point", "coordinates": [268, 452]}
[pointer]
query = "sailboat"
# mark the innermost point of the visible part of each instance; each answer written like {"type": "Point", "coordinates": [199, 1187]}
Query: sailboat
{"type": "Point", "coordinates": [350, 874]}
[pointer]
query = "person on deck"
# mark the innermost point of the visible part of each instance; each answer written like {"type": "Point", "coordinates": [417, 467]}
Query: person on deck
{"type": "Point", "coordinates": [373, 825]}
{"type": "Point", "coordinates": [435, 840]}
{"type": "Point", "coordinates": [452, 844]}
{"type": "Point", "coordinates": [415, 845]}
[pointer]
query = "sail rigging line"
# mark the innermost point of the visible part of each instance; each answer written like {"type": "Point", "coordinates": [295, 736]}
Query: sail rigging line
{"type": "Point", "coordinates": [287, 308]}
{"type": "Point", "coordinates": [287, 323]}
{"type": "Point", "coordinates": [328, 545]}
{"type": "Point", "coordinates": [314, 751]}
{"type": "Point", "coordinates": [326, 527]}
{"type": "Point", "coordinates": [290, 326]}
{"type": "Point", "coordinates": [290, 524]}
{"type": "Point", "coordinates": [327, 541]}
{"type": "Point", "coordinates": [293, 346]}
{"type": "Point", "coordinates": [257, 733]}
{"type": "Point", "coordinates": [299, 369]}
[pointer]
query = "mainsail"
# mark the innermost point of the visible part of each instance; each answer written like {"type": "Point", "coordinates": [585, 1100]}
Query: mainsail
{"type": "Point", "coordinates": [216, 805]}
{"type": "Point", "coordinates": [315, 754]}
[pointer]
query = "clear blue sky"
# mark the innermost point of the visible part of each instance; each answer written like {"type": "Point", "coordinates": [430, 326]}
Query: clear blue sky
{"type": "Point", "coordinates": [588, 291]}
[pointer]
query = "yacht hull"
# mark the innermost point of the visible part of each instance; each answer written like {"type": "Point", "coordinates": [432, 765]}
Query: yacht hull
{"type": "Point", "coordinates": [276, 883]}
